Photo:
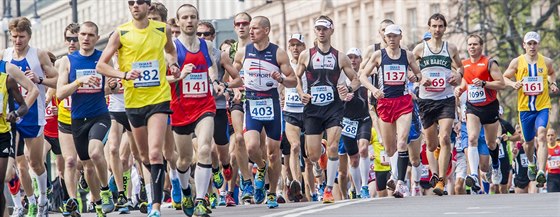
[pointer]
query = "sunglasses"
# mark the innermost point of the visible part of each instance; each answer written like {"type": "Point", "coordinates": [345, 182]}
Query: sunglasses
{"type": "Point", "coordinates": [242, 23]}
{"type": "Point", "coordinates": [72, 39]}
{"type": "Point", "coordinates": [139, 2]}
{"type": "Point", "coordinates": [206, 34]}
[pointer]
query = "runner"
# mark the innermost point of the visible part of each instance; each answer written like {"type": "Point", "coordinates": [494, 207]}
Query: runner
{"type": "Point", "coordinates": [323, 109]}
{"type": "Point", "coordinates": [147, 93]}
{"type": "Point", "coordinates": [90, 116]}
{"type": "Point", "coordinates": [10, 77]}
{"type": "Point", "coordinates": [507, 133]}
{"type": "Point", "coordinates": [265, 66]}
{"type": "Point", "coordinates": [356, 130]}
{"type": "Point", "coordinates": [534, 77]}
{"type": "Point", "coordinates": [553, 162]}
{"type": "Point", "coordinates": [394, 102]}
{"type": "Point", "coordinates": [436, 102]}
{"type": "Point", "coordinates": [293, 115]}
{"type": "Point", "coordinates": [175, 30]}
{"type": "Point", "coordinates": [36, 65]}
{"type": "Point", "coordinates": [381, 165]}
{"type": "Point", "coordinates": [482, 80]}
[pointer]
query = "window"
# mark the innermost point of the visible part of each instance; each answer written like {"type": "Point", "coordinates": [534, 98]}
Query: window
{"type": "Point", "coordinates": [412, 23]}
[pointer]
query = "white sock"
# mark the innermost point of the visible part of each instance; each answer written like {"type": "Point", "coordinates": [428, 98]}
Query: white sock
{"type": "Point", "coordinates": [473, 160]}
{"type": "Point", "coordinates": [42, 185]}
{"type": "Point", "coordinates": [364, 170]}
{"type": "Point", "coordinates": [416, 173]}
{"type": "Point", "coordinates": [356, 178]}
{"type": "Point", "coordinates": [394, 169]}
{"type": "Point", "coordinates": [149, 191]}
{"type": "Point", "coordinates": [202, 177]}
{"type": "Point", "coordinates": [173, 174]}
{"type": "Point", "coordinates": [332, 168]}
{"type": "Point", "coordinates": [184, 178]}
{"type": "Point", "coordinates": [135, 181]}
{"type": "Point", "coordinates": [17, 200]}
{"type": "Point", "coordinates": [32, 200]}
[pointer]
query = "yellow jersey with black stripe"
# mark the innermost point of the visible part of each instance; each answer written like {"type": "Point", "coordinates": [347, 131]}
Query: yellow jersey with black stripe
{"type": "Point", "coordinates": [379, 153]}
{"type": "Point", "coordinates": [64, 111]}
{"type": "Point", "coordinates": [5, 126]}
{"type": "Point", "coordinates": [533, 94]}
{"type": "Point", "coordinates": [142, 49]}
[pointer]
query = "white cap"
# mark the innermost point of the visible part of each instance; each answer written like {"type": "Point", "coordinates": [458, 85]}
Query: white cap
{"type": "Point", "coordinates": [532, 36]}
{"type": "Point", "coordinates": [298, 37]}
{"type": "Point", "coordinates": [354, 51]}
{"type": "Point", "coordinates": [393, 28]}
{"type": "Point", "coordinates": [323, 22]}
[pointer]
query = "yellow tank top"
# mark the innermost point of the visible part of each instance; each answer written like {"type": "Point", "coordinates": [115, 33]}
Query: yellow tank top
{"type": "Point", "coordinates": [533, 95]}
{"type": "Point", "coordinates": [64, 111]}
{"type": "Point", "coordinates": [379, 153]}
{"type": "Point", "coordinates": [142, 49]}
{"type": "Point", "coordinates": [4, 125]}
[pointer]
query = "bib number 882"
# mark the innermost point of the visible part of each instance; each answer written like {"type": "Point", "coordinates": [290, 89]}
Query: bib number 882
{"type": "Point", "coordinates": [148, 75]}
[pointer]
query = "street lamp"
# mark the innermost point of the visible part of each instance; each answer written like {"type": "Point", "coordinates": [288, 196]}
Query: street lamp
{"type": "Point", "coordinates": [6, 21]}
{"type": "Point", "coordinates": [36, 19]}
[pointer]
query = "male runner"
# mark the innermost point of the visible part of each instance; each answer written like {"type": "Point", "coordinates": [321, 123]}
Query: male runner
{"type": "Point", "coordinates": [482, 80]}
{"type": "Point", "coordinates": [534, 77]}
{"type": "Point", "coordinates": [142, 62]}
{"type": "Point", "coordinates": [323, 111]}
{"type": "Point", "coordinates": [436, 102]}
{"type": "Point", "coordinates": [265, 66]}
{"type": "Point", "coordinates": [553, 162]}
{"type": "Point", "coordinates": [394, 102]}
{"type": "Point", "coordinates": [90, 116]}
{"type": "Point", "coordinates": [36, 65]}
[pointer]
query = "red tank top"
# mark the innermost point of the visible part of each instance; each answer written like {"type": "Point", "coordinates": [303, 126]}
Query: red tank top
{"type": "Point", "coordinates": [478, 70]}
{"type": "Point", "coordinates": [553, 161]}
{"type": "Point", "coordinates": [192, 97]}
{"type": "Point", "coordinates": [51, 128]}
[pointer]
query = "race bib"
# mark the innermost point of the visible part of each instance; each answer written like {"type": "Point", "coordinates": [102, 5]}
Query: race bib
{"type": "Point", "coordinates": [554, 162]}
{"type": "Point", "coordinates": [23, 91]}
{"type": "Point", "coordinates": [384, 157]}
{"type": "Point", "coordinates": [48, 111]}
{"type": "Point", "coordinates": [149, 73]}
{"type": "Point", "coordinates": [425, 171]}
{"type": "Point", "coordinates": [501, 151]}
{"type": "Point", "coordinates": [322, 95]}
{"type": "Point", "coordinates": [262, 110]}
{"type": "Point", "coordinates": [438, 82]}
{"type": "Point", "coordinates": [394, 75]}
{"type": "Point", "coordinates": [292, 98]}
{"type": "Point", "coordinates": [195, 85]}
{"type": "Point", "coordinates": [67, 103]}
{"type": "Point", "coordinates": [87, 88]}
{"type": "Point", "coordinates": [533, 85]}
{"type": "Point", "coordinates": [476, 94]}
{"type": "Point", "coordinates": [349, 128]}
{"type": "Point", "coordinates": [120, 86]}
{"type": "Point", "coordinates": [524, 160]}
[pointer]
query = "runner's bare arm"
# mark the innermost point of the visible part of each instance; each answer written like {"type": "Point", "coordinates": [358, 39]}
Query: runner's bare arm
{"type": "Point", "coordinates": [32, 90]}
{"type": "Point", "coordinates": [367, 56]}
{"type": "Point", "coordinates": [63, 89]}
{"type": "Point", "coordinates": [14, 92]}
{"type": "Point", "coordinates": [230, 71]}
{"type": "Point", "coordinates": [497, 77]}
{"type": "Point", "coordinates": [300, 71]}
{"type": "Point", "coordinates": [414, 66]}
{"type": "Point", "coordinates": [509, 75]}
{"type": "Point", "coordinates": [352, 75]}
{"type": "Point", "coordinates": [103, 66]}
{"type": "Point", "coordinates": [285, 68]}
{"type": "Point", "coordinates": [417, 51]}
{"type": "Point", "coordinates": [552, 85]}
{"type": "Point", "coordinates": [50, 72]}
{"type": "Point", "coordinates": [459, 70]}
{"type": "Point", "coordinates": [171, 53]}
{"type": "Point", "coordinates": [368, 70]}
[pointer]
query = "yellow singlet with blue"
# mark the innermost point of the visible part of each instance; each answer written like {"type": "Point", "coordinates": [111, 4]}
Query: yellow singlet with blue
{"type": "Point", "coordinates": [533, 95]}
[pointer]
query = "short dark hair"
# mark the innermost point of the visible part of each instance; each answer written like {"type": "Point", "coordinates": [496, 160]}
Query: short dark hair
{"type": "Point", "coordinates": [73, 28]}
{"type": "Point", "coordinates": [172, 22]}
{"type": "Point", "coordinates": [263, 21]}
{"type": "Point", "coordinates": [188, 5]}
{"type": "Point", "coordinates": [437, 16]}
{"type": "Point", "coordinates": [387, 21]}
{"type": "Point", "coordinates": [209, 26]}
{"type": "Point", "coordinates": [159, 9]}
{"type": "Point", "coordinates": [480, 41]}
{"type": "Point", "coordinates": [91, 24]}
{"type": "Point", "coordinates": [20, 24]}
{"type": "Point", "coordinates": [52, 57]}
{"type": "Point", "coordinates": [229, 42]}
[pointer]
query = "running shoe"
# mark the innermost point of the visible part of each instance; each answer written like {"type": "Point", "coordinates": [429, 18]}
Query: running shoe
{"type": "Point", "coordinates": [99, 211]}
{"type": "Point", "coordinates": [416, 190]}
{"type": "Point", "coordinates": [248, 191]}
{"type": "Point", "coordinates": [260, 195]}
{"type": "Point", "coordinates": [32, 210]}
{"type": "Point", "coordinates": [271, 203]}
{"type": "Point", "coordinates": [70, 208]}
{"type": "Point", "coordinates": [123, 205]}
{"type": "Point", "coordinates": [143, 207]}
{"type": "Point", "coordinates": [440, 187]}
{"type": "Point", "coordinates": [398, 192]}
{"type": "Point", "coordinates": [218, 179]}
{"type": "Point", "coordinates": [18, 212]}
{"type": "Point", "coordinates": [472, 182]}
{"type": "Point", "coordinates": [188, 206]}
{"type": "Point", "coordinates": [227, 172]}
{"type": "Point", "coordinates": [295, 191]}
{"type": "Point", "coordinates": [82, 182]}
{"type": "Point", "coordinates": [260, 178]}
{"type": "Point", "coordinates": [222, 200]}
{"type": "Point", "coordinates": [434, 180]}
{"type": "Point", "coordinates": [154, 213]}
{"type": "Point", "coordinates": [496, 175]}
{"type": "Point", "coordinates": [176, 193]}
{"type": "Point", "coordinates": [364, 192]}
{"type": "Point", "coordinates": [280, 199]}
{"type": "Point", "coordinates": [14, 185]}
{"type": "Point", "coordinates": [201, 210]}
{"type": "Point", "coordinates": [541, 178]}
{"type": "Point", "coordinates": [352, 194]}
{"type": "Point", "coordinates": [107, 203]}
{"type": "Point", "coordinates": [327, 196]}
{"type": "Point", "coordinates": [229, 200]}
{"type": "Point", "coordinates": [113, 185]}
{"type": "Point", "coordinates": [532, 172]}
{"type": "Point", "coordinates": [213, 199]}
{"type": "Point", "coordinates": [314, 197]}
{"type": "Point", "coordinates": [391, 184]}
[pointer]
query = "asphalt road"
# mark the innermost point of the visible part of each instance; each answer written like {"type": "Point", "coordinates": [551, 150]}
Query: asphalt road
{"type": "Point", "coordinates": [529, 205]}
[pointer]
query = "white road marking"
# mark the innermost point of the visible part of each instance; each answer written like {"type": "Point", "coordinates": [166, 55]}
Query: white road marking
{"type": "Point", "coordinates": [466, 213]}
{"type": "Point", "coordinates": [333, 206]}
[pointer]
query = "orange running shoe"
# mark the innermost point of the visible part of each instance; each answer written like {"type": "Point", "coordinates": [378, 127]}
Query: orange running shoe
{"type": "Point", "coordinates": [327, 196]}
